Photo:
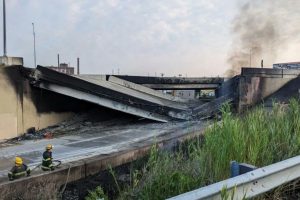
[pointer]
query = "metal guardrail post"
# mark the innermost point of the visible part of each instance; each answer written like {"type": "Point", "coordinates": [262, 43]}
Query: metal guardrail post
{"type": "Point", "coordinates": [237, 169]}
{"type": "Point", "coordinates": [234, 169]}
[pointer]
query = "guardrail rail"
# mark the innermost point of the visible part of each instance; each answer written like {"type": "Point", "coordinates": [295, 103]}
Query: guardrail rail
{"type": "Point", "coordinates": [250, 184]}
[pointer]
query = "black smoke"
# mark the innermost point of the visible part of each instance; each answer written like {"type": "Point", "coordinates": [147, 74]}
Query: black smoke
{"type": "Point", "coordinates": [261, 29]}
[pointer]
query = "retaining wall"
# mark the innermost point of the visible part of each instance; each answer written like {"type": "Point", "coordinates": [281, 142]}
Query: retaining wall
{"type": "Point", "coordinates": [23, 107]}
{"type": "Point", "coordinates": [256, 84]}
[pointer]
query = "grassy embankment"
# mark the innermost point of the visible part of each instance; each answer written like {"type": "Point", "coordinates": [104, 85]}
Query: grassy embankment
{"type": "Point", "coordinates": [259, 137]}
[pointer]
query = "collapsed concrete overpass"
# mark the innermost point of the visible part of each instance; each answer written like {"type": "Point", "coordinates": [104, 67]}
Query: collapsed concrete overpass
{"type": "Point", "coordinates": [119, 94]}
{"type": "Point", "coordinates": [45, 104]}
{"type": "Point", "coordinates": [251, 87]}
{"type": "Point", "coordinates": [41, 97]}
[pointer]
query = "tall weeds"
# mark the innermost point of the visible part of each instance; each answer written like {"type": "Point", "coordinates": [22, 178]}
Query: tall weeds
{"type": "Point", "coordinates": [259, 137]}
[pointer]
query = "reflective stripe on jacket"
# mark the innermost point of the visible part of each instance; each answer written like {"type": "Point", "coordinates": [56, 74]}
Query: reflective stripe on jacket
{"type": "Point", "coordinates": [18, 171]}
{"type": "Point", "coordinates": [47, 159]}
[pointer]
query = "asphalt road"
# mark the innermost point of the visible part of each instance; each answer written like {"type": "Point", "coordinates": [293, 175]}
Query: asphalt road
{"type": "Point", "coordinates": [91, 139]}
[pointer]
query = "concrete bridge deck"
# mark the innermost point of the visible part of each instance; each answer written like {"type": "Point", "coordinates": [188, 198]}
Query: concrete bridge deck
{"type": "Point", "coordinates": [171, 80]}
{"type": "Point", "coordinates": [115, 94]}
{"type": "Point", "coordinates": [118, 141]}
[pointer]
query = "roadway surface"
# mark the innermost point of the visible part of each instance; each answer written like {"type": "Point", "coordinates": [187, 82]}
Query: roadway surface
{"type": "Point", "coordinates": [80, 140]}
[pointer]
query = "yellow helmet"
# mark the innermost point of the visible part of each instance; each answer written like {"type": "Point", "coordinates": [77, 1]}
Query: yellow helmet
{"type": "Point", "coordinates": [19, 161]}
{"type": "Point", "coordinates": [49, 147]}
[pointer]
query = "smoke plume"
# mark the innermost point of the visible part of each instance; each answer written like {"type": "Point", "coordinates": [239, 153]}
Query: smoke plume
{"type": "Point", "coordinates": [261, 30]}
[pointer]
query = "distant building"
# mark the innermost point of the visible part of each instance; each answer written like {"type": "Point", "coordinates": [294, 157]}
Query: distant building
{"type": "Point", "coordinates": [289, 65]}
{"type": "Point", "coordinates": [63, 68]}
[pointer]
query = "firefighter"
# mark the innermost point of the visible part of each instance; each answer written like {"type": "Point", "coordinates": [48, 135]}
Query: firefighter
{"type": "Point", "coordinates": [47, 159]}
{"type": "Point", "coordinates": [19, 170]}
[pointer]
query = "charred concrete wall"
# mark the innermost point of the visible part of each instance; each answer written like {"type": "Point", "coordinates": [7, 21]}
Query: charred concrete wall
{"type": "Point", "coordinates": [22, 106]}
{"type": "Point", "coordinates": [256, 85]}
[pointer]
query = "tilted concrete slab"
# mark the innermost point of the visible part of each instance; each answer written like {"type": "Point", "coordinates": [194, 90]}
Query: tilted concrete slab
{"type": "Point", "coordinates": [104, 102]}
{"type": "Point", "coordinates": [146, 89]}
{"type": "Point", "coordinates": [147, 94]}
{"type": "Point", "coordinates": [132, 85]}
{"type": "Point", "coordinates": [113, 95]}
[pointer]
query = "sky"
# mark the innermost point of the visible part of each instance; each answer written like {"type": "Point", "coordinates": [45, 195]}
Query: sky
{"type": "Point", "coordinates": [133, 37]}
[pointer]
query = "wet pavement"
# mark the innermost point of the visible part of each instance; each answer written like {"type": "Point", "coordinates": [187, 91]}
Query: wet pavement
{"type": "Point", "coordinates": [78, 141]}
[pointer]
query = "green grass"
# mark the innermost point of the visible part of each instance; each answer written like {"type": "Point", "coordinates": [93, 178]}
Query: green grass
{"type": "Point", "coordinates": [97, 194]}
{"type": "Point", "coordinates": [259, 137]}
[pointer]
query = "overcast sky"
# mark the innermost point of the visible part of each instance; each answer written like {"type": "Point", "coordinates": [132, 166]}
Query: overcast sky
{"type": "Point", "coordinates": [138, 37]}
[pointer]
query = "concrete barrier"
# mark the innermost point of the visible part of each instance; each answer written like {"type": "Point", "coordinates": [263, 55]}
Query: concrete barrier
{"type": "Point", "coordinates": [8, 61]}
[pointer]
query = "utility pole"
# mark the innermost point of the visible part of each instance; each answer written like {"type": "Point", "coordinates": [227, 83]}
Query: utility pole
{"type": "Point", "coordinates": [4, 30]}
{"type": "Point", "coordinates": [34, 52]}
{"type": "Point", "coordinates": [78, 72]}
{"type": "Point", "coordinates": [250, 55]}
{"type": "Point", "coordinates": [58, 64]}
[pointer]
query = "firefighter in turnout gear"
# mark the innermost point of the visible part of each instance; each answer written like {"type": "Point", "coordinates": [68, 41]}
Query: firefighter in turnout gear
{"type": "Point", "coordinates": [19, 170]}
{"type": "Point", "coordinates": [47, 159]}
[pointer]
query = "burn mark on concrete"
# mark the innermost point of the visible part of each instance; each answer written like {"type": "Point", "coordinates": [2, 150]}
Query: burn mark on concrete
{"type": "Point", "coordinates": [105, 92]}
{"type": "Point", "coordinates": [46, 101]}
{"type": "Point", "coordinates": [288, 91]}
{"type": "Point", "coordinates": [15, 77]}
